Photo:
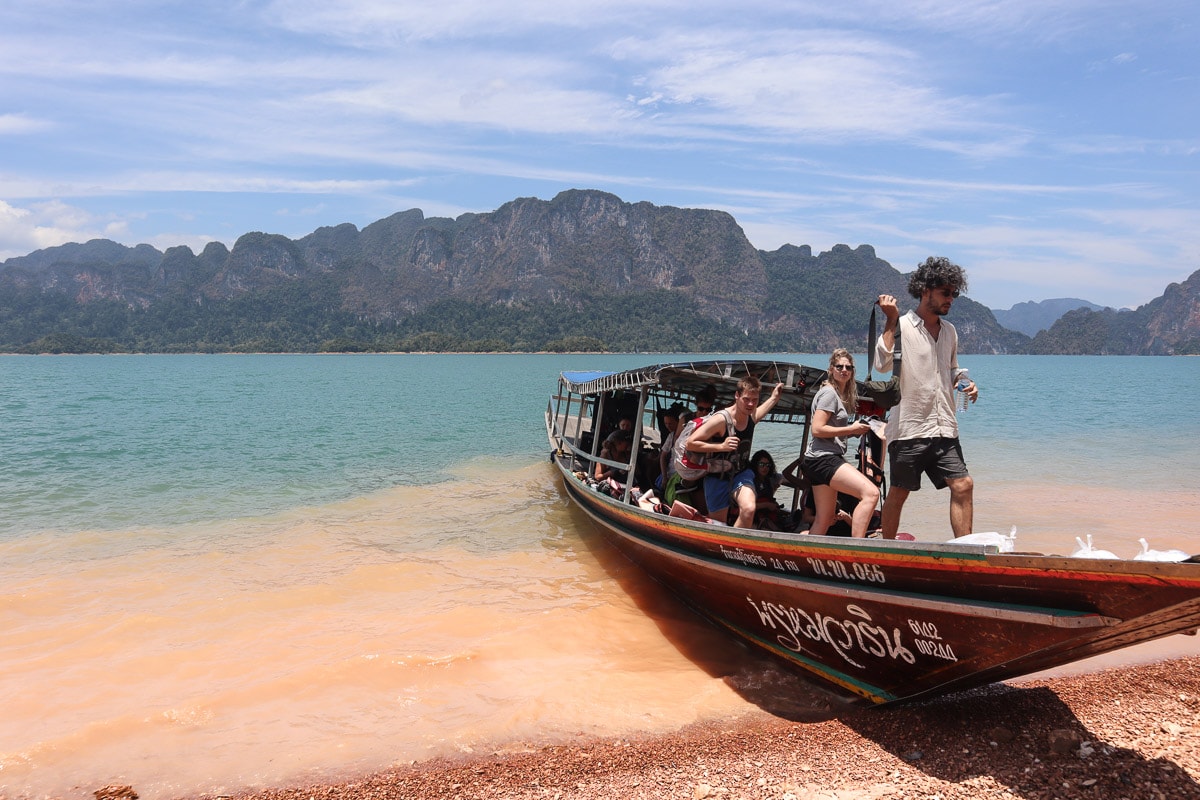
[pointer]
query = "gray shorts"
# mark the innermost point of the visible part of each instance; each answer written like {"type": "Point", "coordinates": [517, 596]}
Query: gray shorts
{"type": "Point", "coordinates": [939, 458]}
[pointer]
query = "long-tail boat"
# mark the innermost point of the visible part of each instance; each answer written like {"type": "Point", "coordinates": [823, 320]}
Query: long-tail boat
{"type": "Point", "coordinates": [888, 620]}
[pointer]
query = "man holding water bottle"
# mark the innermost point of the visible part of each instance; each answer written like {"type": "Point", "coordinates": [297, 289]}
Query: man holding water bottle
{"type": "Point", "coordinates": [922, 430]}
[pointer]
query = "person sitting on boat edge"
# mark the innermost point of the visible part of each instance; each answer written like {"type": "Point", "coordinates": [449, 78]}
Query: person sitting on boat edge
{"type": "Point", "coordinates": [731, 431]}
{"type": "Point", "coordinates": [922, 430]}
{"type": "Point", "coordinates": [767, 481]}
{"type": "Point", "coordinates": [825, 463]}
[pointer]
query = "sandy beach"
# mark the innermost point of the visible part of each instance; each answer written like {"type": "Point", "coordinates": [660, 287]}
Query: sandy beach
{"type": "Point", "coordinates": [1128, 732]}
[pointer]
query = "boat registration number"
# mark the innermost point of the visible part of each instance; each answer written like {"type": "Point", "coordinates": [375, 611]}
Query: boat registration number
{"type": "Point", "coordinates": [847, 571]}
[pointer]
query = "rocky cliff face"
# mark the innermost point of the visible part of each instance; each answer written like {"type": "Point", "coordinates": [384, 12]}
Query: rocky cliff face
{"type": "Point", "coordinates": [1174, 319]}
{"type": "Point", "coordinates": [581, 248]}
{"type": "Point", "coordinates": [567, 250]}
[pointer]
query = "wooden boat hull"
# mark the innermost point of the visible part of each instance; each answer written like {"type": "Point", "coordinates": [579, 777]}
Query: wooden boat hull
{"type": "Point", "coordinates": [894, 620]}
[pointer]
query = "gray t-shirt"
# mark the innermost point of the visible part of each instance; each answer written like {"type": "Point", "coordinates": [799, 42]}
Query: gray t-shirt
{"type": "Point", "coordinates": [827, 399]}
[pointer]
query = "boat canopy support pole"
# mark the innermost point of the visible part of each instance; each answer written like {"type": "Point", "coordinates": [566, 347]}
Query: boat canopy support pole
{"type": "Point", "coordinates": [635, 451]}
{"type": "Point", "coordinates": [578, 417]}
{"type": "Point", "coordinates": [597, 426]}
{"type": "Point", "coordinates": [558, 418]}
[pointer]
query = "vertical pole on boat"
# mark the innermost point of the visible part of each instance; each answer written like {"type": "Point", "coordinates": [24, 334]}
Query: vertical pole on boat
{"type": "Point", "coordinates": [803, 448]}
{"type": "Point", "coordinates": [597, 416]}
{"type": "Point", "coordinates": [559, 424]}
{"type": "Point", "coordinates": [635, 451]}
{"type": "Point", "coordinates": [558, 414]}
{"type": "Point", "coordinates": [578, 418]}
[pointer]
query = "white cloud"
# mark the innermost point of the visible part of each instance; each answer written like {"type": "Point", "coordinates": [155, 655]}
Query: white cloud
{"type": "Point", "coordinates": [383, 23]}
{"type": "Point", "coordinates": [50, 224]}
{"type": "Point", "coordinates": [827, 83]}
{"type": "Point", "coordinates": [39, 225]}
{"type": "Point", "coordinates": [21, 124]}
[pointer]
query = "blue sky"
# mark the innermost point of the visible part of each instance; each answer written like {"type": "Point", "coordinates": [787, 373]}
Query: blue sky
{"type": "Point", "coordinates": [1052, 147]}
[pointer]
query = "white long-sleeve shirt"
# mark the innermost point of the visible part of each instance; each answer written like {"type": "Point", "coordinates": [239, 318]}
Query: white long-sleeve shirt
{"type": "Point", "coordinates": [926, 408]}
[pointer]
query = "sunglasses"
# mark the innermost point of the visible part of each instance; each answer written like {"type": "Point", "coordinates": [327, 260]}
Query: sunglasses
{"type": "Point", "coordinates": [844, 367]}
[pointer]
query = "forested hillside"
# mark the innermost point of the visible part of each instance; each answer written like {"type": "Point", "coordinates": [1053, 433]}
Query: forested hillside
{"type": "Point", "coordinates": [584, 271]}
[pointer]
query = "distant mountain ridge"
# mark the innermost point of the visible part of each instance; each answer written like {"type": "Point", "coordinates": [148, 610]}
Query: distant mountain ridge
{"type": "Point", "coordinates": [584, 270]}
{"type": "Point", "coordinates": [1167, 325]}
{"type": "Point", "coordinates": [1031, 317]}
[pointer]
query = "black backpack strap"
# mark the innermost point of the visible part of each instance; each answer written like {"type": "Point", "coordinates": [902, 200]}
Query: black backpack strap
{"type": "Point", "coordinates": [871, 341]}
{"type": "Point", "coordinates": [871, 338]}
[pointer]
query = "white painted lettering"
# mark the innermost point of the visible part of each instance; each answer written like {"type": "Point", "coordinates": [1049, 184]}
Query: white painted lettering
{"type": "Point", "coordinates": [850, 637]}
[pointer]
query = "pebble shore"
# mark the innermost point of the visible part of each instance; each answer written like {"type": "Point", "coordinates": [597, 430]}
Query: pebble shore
{"type": "Point", "coordinates": [1132, 733]}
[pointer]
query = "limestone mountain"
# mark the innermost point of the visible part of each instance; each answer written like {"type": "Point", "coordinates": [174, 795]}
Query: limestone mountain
{"type": "Point", "coordinates": [584, 270]}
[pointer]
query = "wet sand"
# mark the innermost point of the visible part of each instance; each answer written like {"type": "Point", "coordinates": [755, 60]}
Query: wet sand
{"type": "Point", "coordinates": [1130, 732]}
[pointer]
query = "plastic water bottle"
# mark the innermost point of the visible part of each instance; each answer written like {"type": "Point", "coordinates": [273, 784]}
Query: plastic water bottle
{"type": "Point", "coordinates": [961, 390]}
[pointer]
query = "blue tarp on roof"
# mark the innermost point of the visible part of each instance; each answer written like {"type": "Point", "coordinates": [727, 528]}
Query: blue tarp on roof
{"type": "Point", "coordinates": [584, 377]}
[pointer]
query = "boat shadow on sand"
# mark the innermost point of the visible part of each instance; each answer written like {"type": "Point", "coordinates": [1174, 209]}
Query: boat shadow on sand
{"type": "Point", "coordinates": [1025, 738]}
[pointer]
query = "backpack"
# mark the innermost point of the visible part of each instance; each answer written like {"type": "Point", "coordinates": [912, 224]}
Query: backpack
{"type": "Point", "coordinates": [690, 464]}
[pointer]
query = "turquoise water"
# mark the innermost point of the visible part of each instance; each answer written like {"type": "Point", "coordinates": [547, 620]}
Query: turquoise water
{"type": "Point", "coordinates": [110, 442]}
{"type": "Point", "coordinates": [1128, 421]}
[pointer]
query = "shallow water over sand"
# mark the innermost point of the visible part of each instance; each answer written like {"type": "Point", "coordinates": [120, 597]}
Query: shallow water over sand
{"type": "Point", "coordinates": [473, 615]}
{"type": "Point", "coordinates": [416, 622]}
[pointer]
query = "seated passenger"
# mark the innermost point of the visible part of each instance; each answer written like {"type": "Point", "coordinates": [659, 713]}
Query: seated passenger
{"type": "Point", "coordinates": [767, 481]}
{"type": "Point", "coordinates": [666, 460]}
{"type": "Point", "coordinates": [617, 448]}
{"type": "Point", "coordinates": [706, 400]}
{"type": "Point", "coordinates": [624, 426]}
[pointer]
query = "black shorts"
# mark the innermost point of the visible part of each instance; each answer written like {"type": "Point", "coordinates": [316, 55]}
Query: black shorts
{"type": "Point", "coordinates": [820, 469]}
{"type": "Point", "coordinates": [940, 458]}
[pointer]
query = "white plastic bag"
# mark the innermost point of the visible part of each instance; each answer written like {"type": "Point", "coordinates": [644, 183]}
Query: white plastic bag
{"type": "Point", "coordinates": [1159, 555]}
{"type": "Point", "coordinates": [1087, 551]}
{"type": "Point", "coordinates": [1004, 543]}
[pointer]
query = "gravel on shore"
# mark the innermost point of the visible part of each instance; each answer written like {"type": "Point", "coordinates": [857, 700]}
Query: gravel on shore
{"type": "Point", "coordinates": [1131, 732]}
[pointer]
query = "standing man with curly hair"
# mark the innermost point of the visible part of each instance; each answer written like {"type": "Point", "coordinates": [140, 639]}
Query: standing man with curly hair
{"type": "Point", "coordinates": [922, 431]}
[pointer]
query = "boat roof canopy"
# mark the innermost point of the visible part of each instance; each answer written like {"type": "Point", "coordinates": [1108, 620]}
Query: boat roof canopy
{"type": "Point", "coordinates": [682, 381]}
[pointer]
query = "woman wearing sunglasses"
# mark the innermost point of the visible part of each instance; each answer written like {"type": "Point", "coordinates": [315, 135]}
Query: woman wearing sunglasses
{"type": "Point", "coordinates": [767, 481]}
{"type": "Point", "coordinates": [825, 463]}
